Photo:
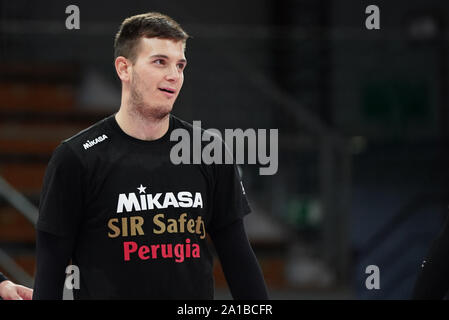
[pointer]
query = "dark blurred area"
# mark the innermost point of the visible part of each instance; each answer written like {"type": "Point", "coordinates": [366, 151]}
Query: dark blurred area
{"type": "Point", "coordinates": [362, 118]}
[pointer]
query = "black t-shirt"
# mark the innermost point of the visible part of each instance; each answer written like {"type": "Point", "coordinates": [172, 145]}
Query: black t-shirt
{"type": "Point", "coordinates": [139, 221]}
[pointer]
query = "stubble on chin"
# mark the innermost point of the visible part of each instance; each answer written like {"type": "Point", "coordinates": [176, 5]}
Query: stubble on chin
{"type": "Point", "coordinates": [145, 110]}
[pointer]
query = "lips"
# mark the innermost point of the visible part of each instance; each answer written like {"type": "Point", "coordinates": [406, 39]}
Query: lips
{"type": "Point", "coordinates": [168, 90]}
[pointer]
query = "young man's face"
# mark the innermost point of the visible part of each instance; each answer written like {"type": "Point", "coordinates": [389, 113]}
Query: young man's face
{"type": "Point", "coordinates": [157, 76]}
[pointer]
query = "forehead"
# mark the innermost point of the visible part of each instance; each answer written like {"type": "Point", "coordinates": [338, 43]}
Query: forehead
{"type": "Point", "coordinates": [157, 46]}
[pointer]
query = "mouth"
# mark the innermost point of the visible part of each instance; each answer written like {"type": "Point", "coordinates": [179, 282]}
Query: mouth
{"type": "Point", "coordinates": [168, 90]}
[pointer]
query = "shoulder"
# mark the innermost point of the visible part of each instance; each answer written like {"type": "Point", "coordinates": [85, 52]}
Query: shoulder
{"type": "Point", "coordinates": [76, 146]}
{"type": "Point", "coordinates": [205, 135]}
{"type": "Point", "coordinates": [180, 124]}
{"type": "Point", "coordinates": [89, 137]}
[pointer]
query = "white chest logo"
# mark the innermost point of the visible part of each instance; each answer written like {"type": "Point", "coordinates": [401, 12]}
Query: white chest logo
{"type": "Point", "coordinates": [147, 201]}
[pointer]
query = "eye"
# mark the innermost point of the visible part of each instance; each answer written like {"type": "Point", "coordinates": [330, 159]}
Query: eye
{"type": "Point", "coordinates": [181, 66]}
{"type": "Point", "coordinates": [159, 61]}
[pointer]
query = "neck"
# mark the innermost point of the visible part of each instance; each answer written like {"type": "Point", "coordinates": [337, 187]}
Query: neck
{"type": "Point", "coordinates": [140, 127]}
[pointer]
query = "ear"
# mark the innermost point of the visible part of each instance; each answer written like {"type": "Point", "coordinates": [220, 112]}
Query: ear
{"type": "Point", "coordinates": [123, 68]}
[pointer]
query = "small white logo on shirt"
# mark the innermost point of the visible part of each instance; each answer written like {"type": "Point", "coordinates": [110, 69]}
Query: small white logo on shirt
{"type": "Point", "coordinates": [91, 143]}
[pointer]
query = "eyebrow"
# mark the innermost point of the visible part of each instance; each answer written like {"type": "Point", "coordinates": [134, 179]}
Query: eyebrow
{"type": "Point", "coordinates": [163, 56]}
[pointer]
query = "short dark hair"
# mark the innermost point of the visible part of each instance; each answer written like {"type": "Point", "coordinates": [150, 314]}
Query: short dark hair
{"type": "Point", "coordinates": [146, 25]}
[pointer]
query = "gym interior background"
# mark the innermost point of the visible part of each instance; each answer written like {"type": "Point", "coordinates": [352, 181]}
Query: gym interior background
{"type": "Point", "coordinates": [362, 117]}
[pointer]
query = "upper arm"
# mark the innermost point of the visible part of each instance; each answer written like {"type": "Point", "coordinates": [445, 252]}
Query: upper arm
{"type": "Point", "coordinates": [61, 201]}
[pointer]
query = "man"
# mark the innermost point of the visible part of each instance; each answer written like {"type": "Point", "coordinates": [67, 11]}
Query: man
{"type": "Point", "coordinates": [11, 291]}
{"type": "Point", "coordinates": [133, 222]}
{"type": "Point", "coordinates": [432, 282]}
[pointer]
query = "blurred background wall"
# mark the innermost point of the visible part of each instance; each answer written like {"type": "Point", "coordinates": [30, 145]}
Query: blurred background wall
{"type": "Point", "coordinates": [362, 118]}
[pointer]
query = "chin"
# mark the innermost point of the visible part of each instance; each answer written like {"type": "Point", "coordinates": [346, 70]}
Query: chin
{"type": "Point", "coordinates": [158, 113]}
{"type": "Point", "coordinates": [162, 113]}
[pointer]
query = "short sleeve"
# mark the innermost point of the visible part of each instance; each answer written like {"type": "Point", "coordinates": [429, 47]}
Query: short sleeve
{"type": "Point", "coordinates": [61, 200]}
{"type": "Point", "coordinates": [230, 202]}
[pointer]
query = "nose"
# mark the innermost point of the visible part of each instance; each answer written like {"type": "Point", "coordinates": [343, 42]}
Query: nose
{"type": "Point", "coordinates": [173, 74]}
